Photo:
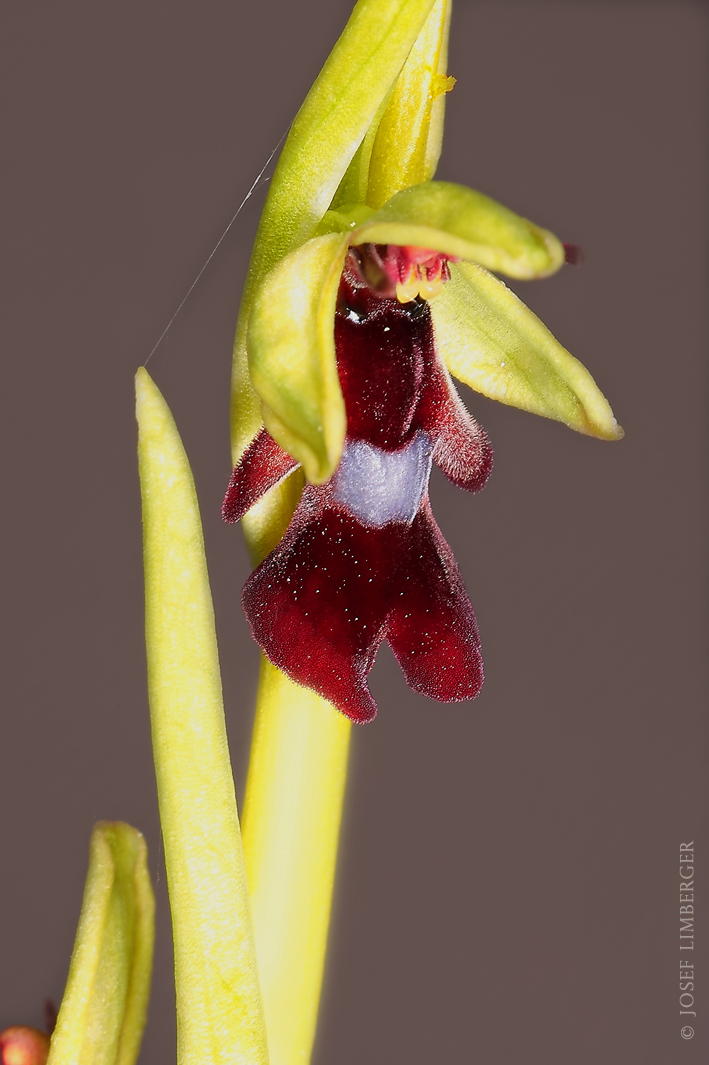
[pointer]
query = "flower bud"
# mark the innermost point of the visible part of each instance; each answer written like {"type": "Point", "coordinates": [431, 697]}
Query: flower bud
{"type": "Point", "coordinates": [21, 1045]}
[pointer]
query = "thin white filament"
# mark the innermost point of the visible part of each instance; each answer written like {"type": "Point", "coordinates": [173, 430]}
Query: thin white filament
{"type": "Point", "coordinates": [215, 249]}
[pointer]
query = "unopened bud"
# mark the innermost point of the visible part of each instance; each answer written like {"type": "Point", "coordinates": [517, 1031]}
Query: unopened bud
{"type": "Point", "coordinates": [23, 1046]}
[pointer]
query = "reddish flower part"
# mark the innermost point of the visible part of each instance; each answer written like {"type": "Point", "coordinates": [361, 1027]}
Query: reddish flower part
{"type": "Point", "coordinates": [363, 559]}
{"type": "Point", "coordinates": [405, 272]}
{"type": "Point", "coordinates": [50, 1015]}
{"type": "Point", "coordinates": [23, 1046]}
{"type": "Point", "coordinates": [573, 255]}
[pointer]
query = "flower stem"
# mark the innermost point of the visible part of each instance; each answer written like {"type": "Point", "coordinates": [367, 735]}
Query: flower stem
{"type": "Point", "coordinates": [292, 814]}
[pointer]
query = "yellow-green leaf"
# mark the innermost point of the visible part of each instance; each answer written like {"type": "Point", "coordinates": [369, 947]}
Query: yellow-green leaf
{"type": "Point", "coordinates": [292, 354]}
{"type": "Point", "coordinates": [466, 224]}
{"type": "Point", "coordinates": [105, 1002]}
{"type": "Point", "coordinates": [489, 340]}
{"type": "Point", "coordinates": [219, 1009]}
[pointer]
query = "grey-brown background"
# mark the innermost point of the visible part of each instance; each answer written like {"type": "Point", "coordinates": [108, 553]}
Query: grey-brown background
{"type": "Point", "coordinates": [508, 888]}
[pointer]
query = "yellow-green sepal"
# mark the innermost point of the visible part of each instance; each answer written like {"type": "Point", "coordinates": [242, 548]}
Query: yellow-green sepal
{"type": "Point", "coordinates": [489, 340]}
{"type": "Point", "coordinates": [333, 120]}
{"type": "Point", "coordinates": [337, 116]}
{"type": "Point", "coordinates": [105, 1002]}
{"type": "Point", "coordinates": [466, 224]}
{"type": "Point", "coordinates": [409, 134]}
{"type": "Point", "coordinates": [291, 349]}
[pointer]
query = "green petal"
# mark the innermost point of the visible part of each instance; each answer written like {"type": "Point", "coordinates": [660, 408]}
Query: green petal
{"type": "Point", "coordinates": [489, 340]}
{"type": "Point", "coordinates": [105, 1003]}
{"type": "Point", "coordinates": [291, 349]}
{"type": "Point", "coordinates": [463, 223]}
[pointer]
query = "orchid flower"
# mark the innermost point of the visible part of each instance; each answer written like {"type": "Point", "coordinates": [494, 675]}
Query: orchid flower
{"type": "Point", "coordinates": [351, 338]}
{"type": "Point", "coordinates": [370, 285]}
{"type": "Point", "coordinates": [363, 557]}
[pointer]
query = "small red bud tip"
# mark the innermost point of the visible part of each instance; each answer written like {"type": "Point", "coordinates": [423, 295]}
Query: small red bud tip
{"type": "Point", "coordinates": [573, 254]}
{"type": "Point", "coordinates": [23, 1046]}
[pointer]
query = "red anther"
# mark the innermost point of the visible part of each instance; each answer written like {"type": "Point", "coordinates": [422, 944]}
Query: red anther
{"type": "Point", "coordinates": [385, 266]}
{"type": "Point", "coordinates": [405, 263]}
{"type": "Point", "coordinates": [573, 254]}
{"type": "Point", "coordinates": [22, 1045]}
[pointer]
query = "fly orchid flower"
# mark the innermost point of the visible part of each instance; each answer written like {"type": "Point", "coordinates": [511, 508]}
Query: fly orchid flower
{"type": "Point", "coordinates": [368, 286]}
{"type": "Point", "coordinates": [349, 330]}
{"type": "Point", "coordinates": [363, 558]}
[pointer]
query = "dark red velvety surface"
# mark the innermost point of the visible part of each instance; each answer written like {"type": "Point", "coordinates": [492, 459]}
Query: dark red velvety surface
{"type": "Point", "coordinates": [322, 602]}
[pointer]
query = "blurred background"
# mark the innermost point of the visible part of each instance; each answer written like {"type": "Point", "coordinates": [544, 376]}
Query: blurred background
{"type": "Point", "coordinates": [508, 888]}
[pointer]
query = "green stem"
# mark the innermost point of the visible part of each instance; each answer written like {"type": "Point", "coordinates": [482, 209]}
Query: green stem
{"type": "Point", "coordinates": [292, 814]}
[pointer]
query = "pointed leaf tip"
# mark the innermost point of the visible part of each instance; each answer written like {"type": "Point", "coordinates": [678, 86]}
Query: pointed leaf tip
{"type": "Point", "coordinates": [219, 1008]}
